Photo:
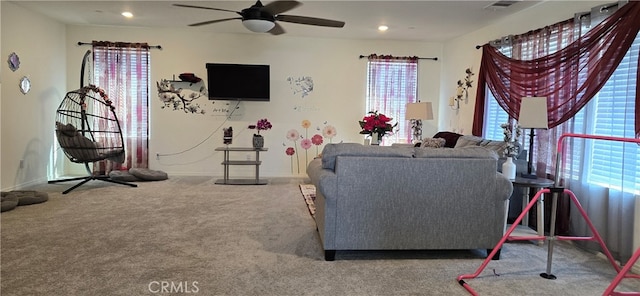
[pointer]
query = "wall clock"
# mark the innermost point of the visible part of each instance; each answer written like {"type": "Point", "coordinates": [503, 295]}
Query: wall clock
{"type": "Point", "coordinates": [14, 61]}
{"type": "Point", "coordinates": [25, 85]}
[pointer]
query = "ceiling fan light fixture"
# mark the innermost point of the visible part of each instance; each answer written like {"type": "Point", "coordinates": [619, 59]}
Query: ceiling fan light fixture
{"type": "Point", "coordinates": [258, 25]}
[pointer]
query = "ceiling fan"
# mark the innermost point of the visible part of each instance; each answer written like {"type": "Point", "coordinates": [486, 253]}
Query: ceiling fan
{"type": "Point", "coordinates": [262, 18]}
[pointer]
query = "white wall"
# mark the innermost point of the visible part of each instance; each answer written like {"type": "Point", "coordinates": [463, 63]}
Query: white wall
{"type": "Point", "coordinates": [337, 99]}
{"type": "Point", "coordinates": [27, 121]}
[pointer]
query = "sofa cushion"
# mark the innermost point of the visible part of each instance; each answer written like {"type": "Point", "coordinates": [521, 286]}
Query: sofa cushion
{"type": "Point", "coordinates": [450, 138]}
{"type": "Point", "coordinates": [433, 143]}
{"type": "Point", "coordinates": [468, 140]}
{"type": "Point", "coordinates": [464, 152]}
{"type": "Point", "coordinates": [498, 146]}
{"type": "Point", "coordinates": [331, 151]}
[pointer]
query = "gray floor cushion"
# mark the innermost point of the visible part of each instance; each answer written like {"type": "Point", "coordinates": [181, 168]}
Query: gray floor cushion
{"type": "Point", "coordinates": [124, 176]}
{"type": "Point", "coordinates": [15, 198]}
{"type": "Point", "coordinates": [9, 201]}
{"type": "Point", "coordinates": [148, 175]}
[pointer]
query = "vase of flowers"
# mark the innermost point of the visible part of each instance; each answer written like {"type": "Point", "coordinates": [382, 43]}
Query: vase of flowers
{"type": "Point", "coordinates": [261, 125]}
{"type": "Point", "coordinates": [376, 125]}
{"type": "Point", "coordinates": [511, 150]}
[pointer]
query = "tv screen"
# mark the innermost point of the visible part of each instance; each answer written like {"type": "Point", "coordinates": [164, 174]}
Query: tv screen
{"type": "Point", "coordinates": [238, 82]}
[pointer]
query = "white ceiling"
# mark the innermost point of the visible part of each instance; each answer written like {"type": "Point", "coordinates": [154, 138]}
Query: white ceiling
{"type": "Point", "coordinates": [432, 21]}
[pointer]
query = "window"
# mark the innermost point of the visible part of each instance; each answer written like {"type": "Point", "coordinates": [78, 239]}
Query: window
{"type": "Point", "coordinates": [609, 113]}
{"type": "Point", "coordinates": [391, 84]}
{"type": "Point", "coordinates": [122, 70]}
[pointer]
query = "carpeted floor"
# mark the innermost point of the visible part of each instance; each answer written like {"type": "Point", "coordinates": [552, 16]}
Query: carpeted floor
{"type": "Point", "coordinates": [188, 235]}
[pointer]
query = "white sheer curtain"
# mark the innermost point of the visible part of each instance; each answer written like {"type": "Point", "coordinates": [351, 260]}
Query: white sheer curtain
{"type": "Point", "coordinates": [606, 175]}
{"type": "Point", "coordinates": [392, 83]}
{"type": "Point", "coordinates": [122, 70]}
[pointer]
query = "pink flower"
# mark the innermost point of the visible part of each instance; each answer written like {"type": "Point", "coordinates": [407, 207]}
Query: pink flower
{"type": "Point", "coordinates": [261, 125]}
{"type": "Point", "coordinates": [293, 135]}
{"type": "Point", "coordinates": [305, 144]}
{"type": "Point", "coordinates": [329, 131]}
{"type": "Point", "coordinates": [290, 151]}
{"type": "Point", "coordinates": [316, 139]}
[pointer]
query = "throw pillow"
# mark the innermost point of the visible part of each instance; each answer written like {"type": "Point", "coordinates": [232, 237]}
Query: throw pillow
{"type": "Point", "coordinates": [451, 138]}
{"type": "Point", "coordinates": [498, 146]}
{"type": "Point", "coordinates": [433, 143]}
{"type": "Point", "coordinates": [468, 141]}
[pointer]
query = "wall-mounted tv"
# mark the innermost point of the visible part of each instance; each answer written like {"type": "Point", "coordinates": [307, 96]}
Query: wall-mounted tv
{"type": "Point", "coordinates": [242, 82]}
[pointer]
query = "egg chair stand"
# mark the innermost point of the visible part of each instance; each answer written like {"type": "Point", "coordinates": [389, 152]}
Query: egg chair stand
{"type": "Point", "coordinates": [88, 131]}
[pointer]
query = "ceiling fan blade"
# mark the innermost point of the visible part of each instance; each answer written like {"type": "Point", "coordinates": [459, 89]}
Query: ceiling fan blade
{"type": "Point", "coordinates": [305, 20]}
{"type": "Point", "coordinates": [277, 7]}
{"type": "Point", "coordinates": [214, 21]}
{"type": "Point", "coordinates": [277, 30]}
{"type": "Point", "coordinates": [202, 7]}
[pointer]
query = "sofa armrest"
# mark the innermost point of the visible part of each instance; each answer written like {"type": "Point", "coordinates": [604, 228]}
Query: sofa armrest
{"type": "Point", "coordinates": [504, 186]}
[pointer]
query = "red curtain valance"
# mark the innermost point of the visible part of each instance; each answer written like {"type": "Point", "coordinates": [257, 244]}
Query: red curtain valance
{"type": "Point", "coordinates": [569, 78]}
{"type": "Point", "coordinates": [390, 57]}
{"type": "Point", "coordinates": [121, 44]}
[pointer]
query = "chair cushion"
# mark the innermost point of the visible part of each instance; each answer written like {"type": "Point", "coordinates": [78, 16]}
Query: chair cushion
{"type": "Point", "coordinates": [148, 175]}
{"type": "Point", "coordinates": [66, 129]}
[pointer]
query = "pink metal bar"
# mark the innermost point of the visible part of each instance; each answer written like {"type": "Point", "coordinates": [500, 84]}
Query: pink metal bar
{"type": "Point", "coordinates": [507, 236]}
{"type": "Point", "coordinates": [622, 272]}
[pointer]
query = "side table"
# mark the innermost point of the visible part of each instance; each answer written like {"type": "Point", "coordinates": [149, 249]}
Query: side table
{"type": "Point", "coordinates": [535, 184]}
{"type": "Point", "coordinates": [228, 162]}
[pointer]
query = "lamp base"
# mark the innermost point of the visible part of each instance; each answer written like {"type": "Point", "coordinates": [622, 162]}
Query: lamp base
{"type": "Point", "coordinates": [528, 176]}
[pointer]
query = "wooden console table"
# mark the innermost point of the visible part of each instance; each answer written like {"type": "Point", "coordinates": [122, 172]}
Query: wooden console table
{"type": "Point", "coordinates": [228, 162]}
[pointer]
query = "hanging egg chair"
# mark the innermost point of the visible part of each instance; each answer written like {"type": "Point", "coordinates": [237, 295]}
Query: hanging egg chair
{"type": "Point", "coordinates": [88, 131]}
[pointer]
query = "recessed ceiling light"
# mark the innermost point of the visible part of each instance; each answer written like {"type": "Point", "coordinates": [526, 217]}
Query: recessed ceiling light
{"type": "Point", "coordinates": [127, 14]}
{"type": "Point", "coordinates": [383, 28]}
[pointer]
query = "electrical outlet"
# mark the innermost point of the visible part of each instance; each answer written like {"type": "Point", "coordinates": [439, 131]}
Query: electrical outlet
{"type": "Point", "coordinates": [248, 156]}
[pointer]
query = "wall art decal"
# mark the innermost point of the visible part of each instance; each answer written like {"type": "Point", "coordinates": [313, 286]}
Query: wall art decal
{"type": "Point", "coordinates": [301, 85]}
{"type": "Point", "coordinates": [181, 95]}
{"type": "Point", "coordinates": [307, 142]}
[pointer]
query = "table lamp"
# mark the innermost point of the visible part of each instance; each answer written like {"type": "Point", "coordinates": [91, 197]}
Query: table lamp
{"type": "Point", "coordinates": [416, 113]}
{"type": "Point", "coordinates": [533, 114]}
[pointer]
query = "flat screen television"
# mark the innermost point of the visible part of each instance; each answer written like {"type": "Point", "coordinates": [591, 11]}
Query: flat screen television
{"type": "Point", "coordinates": [242, 82]}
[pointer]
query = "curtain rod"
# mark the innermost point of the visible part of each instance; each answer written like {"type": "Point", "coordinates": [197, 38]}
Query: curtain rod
{"type": "Point", "coordinates": [419, 58]}
{"type": "Point", "coordinates": [89, 43]}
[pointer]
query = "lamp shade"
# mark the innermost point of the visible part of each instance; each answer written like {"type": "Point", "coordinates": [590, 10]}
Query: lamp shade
{"type": "Point", "coordinates": [533, 113]}
{"type": "Point", "coordinates": [420, 110]}
{"type": "Point", "coordinates": [258, 26]}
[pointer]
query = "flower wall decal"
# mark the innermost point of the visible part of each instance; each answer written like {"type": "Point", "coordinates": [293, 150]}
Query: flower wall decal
{"type": "Point", "coordinates": [462, 91]}
{"type": "Point", "coordinates": [306, 141]}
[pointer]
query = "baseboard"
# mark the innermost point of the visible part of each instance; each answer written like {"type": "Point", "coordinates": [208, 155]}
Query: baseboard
{"type": "Point", "coordinates": [26, 184]}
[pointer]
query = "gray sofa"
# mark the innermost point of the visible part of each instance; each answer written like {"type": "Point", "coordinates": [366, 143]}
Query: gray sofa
{"type": "Point", "coordinates": [406, 198]}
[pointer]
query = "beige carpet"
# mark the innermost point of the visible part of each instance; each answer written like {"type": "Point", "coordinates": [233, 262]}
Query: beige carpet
{"type": "Point", "coordinates": [191, 234]}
